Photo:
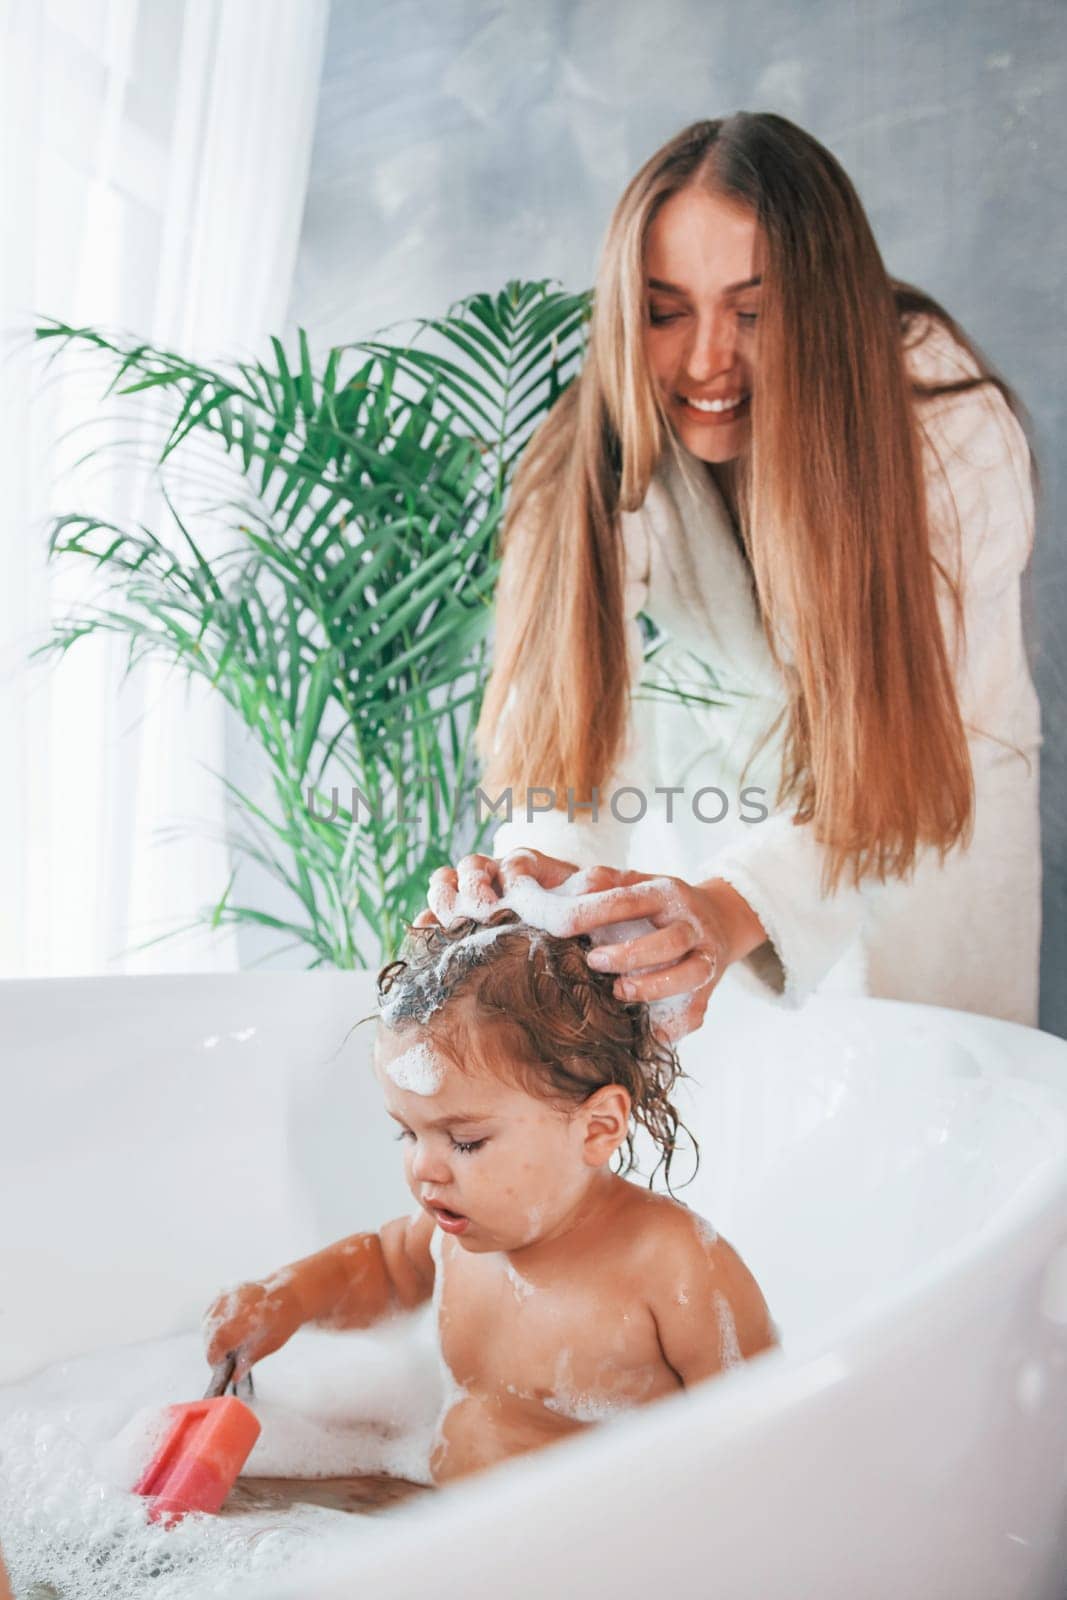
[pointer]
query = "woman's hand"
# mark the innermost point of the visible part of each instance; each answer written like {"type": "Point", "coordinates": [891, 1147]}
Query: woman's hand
{"type": "Point", "coordinates": [699, 930]}
{"type": "Point", "coordinates": [251, 1321]}
{"type": "Point", "coordinates": [477, 884]}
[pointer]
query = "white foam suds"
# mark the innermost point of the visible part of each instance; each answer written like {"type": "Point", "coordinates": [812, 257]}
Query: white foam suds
{"type": "Point", "coordinates": [74, 1437]}
{"type": "Point", "coordinates": [662, 894]}
{"type": "Point", "coordinates": [534, 1218]}
{"type": "Point", "coordinates": [558, 911]}
{"type": "Point", "coordinates": [708, 1236]}
{"type": "Point", "coordinates": [451, 1391]}
{"type": "Point", "coordinates": [417, 1070]}
{"type": "Point", "coordinates": [581, 1405]}
{"type": "Point", "coordinates": [475, 906]}
{"type": "Point", "coordinates": [473, 899]}
{"type": "Point", "coordinates": [221, 1311]}
{"type": "Point", "coordinates": [476, 940]}
{"type": "Point", "coordinates": [622, 932]}
{"type": "Point", "coordinates": [390, 1006]}
{"type": "Point", "coordinates": [278, 1280]}
{"type": "Point", "coordinates": [542, 908]}
{"type": "Point", "coordinates": [585, 1407]}
{"type": "Point", "coordinates": [668, 1015]}
{"type": "Point", "coordinates": [522, 1286]}
{"type": "Point", "coordinates": [729, 1348]}
{"type": "Point", "coordinates": [708, 1233]}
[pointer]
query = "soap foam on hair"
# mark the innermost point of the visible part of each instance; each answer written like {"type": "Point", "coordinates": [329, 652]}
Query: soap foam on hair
{"type": "Point", "coordinates": [540, 911]}
{"type": "Point", "coordinates": [415, 1001]}
{"type": "Point", "coordinates": [555, 912]}
{"type": "Point", "coordinates": [417, 1070]}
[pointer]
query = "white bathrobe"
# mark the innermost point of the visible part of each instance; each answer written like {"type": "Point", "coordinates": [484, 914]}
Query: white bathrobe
{"type": "Point", "coordinates": [965, 933]}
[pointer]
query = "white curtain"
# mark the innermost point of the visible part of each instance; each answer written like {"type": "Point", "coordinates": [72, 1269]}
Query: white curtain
{"type": "Point", "coordinates": [153, 167]}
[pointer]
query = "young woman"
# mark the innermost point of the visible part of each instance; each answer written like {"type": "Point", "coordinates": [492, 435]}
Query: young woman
{"type": "Point", "coordinates": [808, 478]}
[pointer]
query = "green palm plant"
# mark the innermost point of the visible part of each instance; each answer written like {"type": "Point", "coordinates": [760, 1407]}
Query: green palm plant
{"type": "Point", "coordinates": [344, 604]}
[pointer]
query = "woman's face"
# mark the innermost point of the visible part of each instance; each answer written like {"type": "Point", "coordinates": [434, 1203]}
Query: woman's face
{"type": "Point", "coordinates": [702, 299]}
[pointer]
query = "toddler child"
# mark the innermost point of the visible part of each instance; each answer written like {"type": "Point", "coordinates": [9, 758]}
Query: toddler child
{"type": "Point", "coordinates": [563, 1293]}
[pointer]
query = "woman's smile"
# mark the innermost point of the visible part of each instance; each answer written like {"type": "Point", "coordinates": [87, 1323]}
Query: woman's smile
{"type": "Point", "coordinates": [717, 413]}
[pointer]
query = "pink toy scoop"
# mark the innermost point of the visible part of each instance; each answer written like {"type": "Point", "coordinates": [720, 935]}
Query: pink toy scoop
{"type": "Point", "coordinates": [201, 1457]}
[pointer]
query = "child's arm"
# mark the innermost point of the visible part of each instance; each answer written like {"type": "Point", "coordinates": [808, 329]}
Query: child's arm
{"type": "Point", "coordinates": [710, 1313]}
{"type": "Point", "coordinates": [350, 1284]}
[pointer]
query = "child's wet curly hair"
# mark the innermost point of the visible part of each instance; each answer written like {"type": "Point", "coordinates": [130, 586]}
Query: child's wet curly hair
{"type": "Point", "coordinates": [565, 1031]}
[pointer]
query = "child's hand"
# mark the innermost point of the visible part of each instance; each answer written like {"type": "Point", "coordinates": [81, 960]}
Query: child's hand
{"type": "Point", "coordinates": [251, 1321]}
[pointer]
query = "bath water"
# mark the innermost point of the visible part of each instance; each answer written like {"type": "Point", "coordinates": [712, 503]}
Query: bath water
{"type": "Point", "coordinates": [75, 1436]}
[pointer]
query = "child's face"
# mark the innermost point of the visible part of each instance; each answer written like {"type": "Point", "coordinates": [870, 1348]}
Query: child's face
{"type": "Point", "coordinates": [495, 1166]}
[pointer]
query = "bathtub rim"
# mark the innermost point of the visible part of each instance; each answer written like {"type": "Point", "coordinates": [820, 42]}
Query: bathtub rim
{"type": "Point", "coordinates": [1041, 1192]}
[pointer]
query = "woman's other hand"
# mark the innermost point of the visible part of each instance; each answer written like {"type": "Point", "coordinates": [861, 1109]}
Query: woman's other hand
{"type": "Point", "coordinates": [699, 930]}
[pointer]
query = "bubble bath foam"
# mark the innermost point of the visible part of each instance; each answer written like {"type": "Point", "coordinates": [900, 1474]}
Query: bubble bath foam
{"type": "Point", "coordinates": [75, 1437]}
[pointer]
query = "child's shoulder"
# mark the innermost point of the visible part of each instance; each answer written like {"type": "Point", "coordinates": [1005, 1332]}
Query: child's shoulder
{"type": "Point", "coordinates": [678, 1244]}
{"type": "Point", "coordinates": [664, 1219]}
{"type": "Point", "coordinates": [690, 1272]}
{"type": "Point", "coordinates": [666, 1233]}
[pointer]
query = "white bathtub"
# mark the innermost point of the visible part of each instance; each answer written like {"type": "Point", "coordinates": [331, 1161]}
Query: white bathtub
{"type": "Point", "coordinates": [895, 1175]}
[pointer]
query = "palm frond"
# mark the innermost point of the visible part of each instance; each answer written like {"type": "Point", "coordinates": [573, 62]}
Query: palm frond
{"type": "Point", "coordinates": [325, 557]}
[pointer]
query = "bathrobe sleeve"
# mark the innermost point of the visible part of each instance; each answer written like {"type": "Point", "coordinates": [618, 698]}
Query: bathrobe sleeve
{"type": "Point", "coordinates": [976, 466]}
{"type": "Point", "coordinates": [604, 841]}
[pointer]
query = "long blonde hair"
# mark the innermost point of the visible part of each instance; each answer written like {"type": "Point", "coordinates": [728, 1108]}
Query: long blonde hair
{"type": "Point", "coordinates": [833, 518]}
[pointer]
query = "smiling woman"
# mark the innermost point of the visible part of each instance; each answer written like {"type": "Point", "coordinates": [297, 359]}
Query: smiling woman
{"type": "Point", "coordinates": [707, 391]}
{"type": "Point", "coordinates": [808, 478]}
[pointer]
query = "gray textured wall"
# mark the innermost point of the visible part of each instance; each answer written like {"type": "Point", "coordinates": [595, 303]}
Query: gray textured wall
{"type": "Point", "coordinates": [459, 145]}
